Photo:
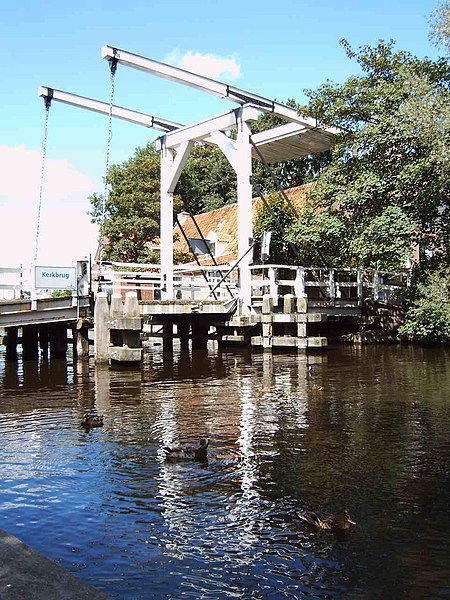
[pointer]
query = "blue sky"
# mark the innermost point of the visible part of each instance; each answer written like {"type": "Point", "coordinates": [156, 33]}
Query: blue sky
{"type": "Point", "coordinates": [275, 49]}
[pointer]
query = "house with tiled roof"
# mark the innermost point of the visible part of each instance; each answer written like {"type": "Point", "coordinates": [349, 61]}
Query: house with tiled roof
{"type": "Point", "coordinates": [219, 229]}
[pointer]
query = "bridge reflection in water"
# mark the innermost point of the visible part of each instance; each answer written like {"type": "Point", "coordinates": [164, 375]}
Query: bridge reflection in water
{"type": "Point", "coordinates": [367, 431]}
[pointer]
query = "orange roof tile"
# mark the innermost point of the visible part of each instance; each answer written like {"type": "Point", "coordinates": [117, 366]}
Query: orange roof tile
{"type": "Point", "coordinates": [223, 221]}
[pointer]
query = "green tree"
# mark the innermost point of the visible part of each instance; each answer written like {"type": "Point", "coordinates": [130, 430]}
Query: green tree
{"type": "Point", "coordinates": [130, 217]}
{"type": "Point", "coordinates": [428, 315]}
{"type": "Point", "coordinates": [393, 151]}
{"type": "Point", "coordinates": [318, 235]}
{"type": "Point", "coordinates": [277, 216]}
{"type": "Point", "coordinates": [207, 181]}
{"type": "Point", "coordinates": [440, 25]}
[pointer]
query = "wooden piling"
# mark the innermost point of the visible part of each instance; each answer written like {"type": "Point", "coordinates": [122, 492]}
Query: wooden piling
{"type": "Point", "coordinates": [11, 340]}
{"type": "Point", "coordinates": [58, 340]}
{"type": "Point", "coordinates": [81, 334]}
{"type": "Point", "coordinates": [30, 342]}
{"type": "Point", "coordinates": [183, 332]}
{"type": "Point", "coordinates": [101, 328]}
{"type": "Point", "coordinates": [44, 340]}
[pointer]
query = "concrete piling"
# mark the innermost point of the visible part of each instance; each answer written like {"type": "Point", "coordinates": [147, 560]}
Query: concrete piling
{"type": "Point", "coordinates": [125, 325]}
{"type": "Point", "coordinates": [101, 328]}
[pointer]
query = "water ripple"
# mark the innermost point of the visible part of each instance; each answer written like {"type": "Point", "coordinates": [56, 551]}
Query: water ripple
{"type": "Point", "coordinates": [371, 435]}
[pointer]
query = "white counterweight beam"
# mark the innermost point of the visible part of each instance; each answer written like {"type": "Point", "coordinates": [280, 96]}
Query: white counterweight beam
{"type": "Point", "coordinates": [118, 112]}
{"type": "Point", "coordinates": [205, 84]}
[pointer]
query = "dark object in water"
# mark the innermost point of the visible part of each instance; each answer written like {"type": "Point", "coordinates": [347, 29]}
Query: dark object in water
{"type": "Point", "coordinates": [91, 420]}
{"type": "Point", "coordinates": [332, 522]}
{"type": "Point", "coordinates": [181, 453]}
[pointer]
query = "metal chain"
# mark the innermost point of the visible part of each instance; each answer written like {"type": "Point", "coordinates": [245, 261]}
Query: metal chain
{"type": "Point", "coordinates": [113, 67]}
{"type": "Point", "coordinates": [41, 185]}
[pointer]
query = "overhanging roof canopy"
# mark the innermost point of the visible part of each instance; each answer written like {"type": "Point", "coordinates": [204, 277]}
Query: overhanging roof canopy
{"type": "Point", "coordinates": [289, 142]}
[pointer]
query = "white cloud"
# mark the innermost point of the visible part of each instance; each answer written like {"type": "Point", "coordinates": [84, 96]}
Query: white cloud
{"type": "Point", "coordinates": [209, 65]}
{"type": "Point", "coordinates": [66, 233]}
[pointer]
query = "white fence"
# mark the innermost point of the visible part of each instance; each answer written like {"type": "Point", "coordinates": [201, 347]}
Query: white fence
{"type": "Point", "coordinates": [15, 283]}
{"type": "Point", "coordinates": [339, 286]}
{"type": "Point", "coordinates": [222, 283]}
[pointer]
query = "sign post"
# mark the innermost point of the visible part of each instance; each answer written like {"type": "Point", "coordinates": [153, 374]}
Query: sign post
{"type": "Point", "coordinates": [55, 278]}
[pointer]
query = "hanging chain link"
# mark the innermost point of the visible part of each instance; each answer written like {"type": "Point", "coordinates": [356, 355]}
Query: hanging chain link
{"type": "Point", "coordinates": [41, 185]}
{"type": "Point", "coordinates": [113, 68]}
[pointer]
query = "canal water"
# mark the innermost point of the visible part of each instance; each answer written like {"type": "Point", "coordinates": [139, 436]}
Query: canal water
{"type": "Point", "coordinates": [367, 431]}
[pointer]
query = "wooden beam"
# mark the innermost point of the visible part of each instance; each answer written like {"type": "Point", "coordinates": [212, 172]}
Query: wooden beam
{"type": "Point", "coordinates": [200, 131]}
{"type": "Point", "coordinates": [118, 112]}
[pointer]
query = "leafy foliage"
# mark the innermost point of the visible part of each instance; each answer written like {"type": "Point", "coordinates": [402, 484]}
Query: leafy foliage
{"type": "Point", "coordinates": [276, 217]}
{"type": "Point", "coordinates": [318, 236]}
{"type": "Point", "coordinates": [328, 238]}
{"type": "Point", "coordinates": [428, 310]}
{"type": "Point", "coordinates": [61, 294]}
{"type": "Point", "coordinates": [208, 181]}
{"type": "Point", "coordinates": [131, 208]}
{"type": "Point", "coordinates": [440, 25]}
{"type": "Point", "coordinates": [393, 152]}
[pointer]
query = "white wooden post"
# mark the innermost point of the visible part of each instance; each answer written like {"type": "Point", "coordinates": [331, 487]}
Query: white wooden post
{"type": "Point", "coordinates": [171, 168]}
{"type": "Point", "coordinates": [166, 225]}
{"type": "Point", "coordinates": [273, 285]}
{"type": "Point", "coordinates": [33, 292]}
{"type": "Point", "coordinates": [332, 286]}
{"type": "Point", "coordinates": [359, 286]}
{"type": "Point", "coordinates": [101, 328]}
{"type": "Point", "coordinates": [376, 285]}
{"type": "Point", "coordinates": [244, 198]}
{"type": "Point", "coordinates": [299, 285]}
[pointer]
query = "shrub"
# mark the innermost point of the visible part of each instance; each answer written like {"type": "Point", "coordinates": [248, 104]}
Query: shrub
{"type": "Point", "coordinates": [427, 317]}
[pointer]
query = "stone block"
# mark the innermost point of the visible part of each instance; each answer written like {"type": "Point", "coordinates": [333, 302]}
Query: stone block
{"type": "Point", "coordinates": [289, 304]}
{"type": "Point", "coordinates": [125, 354]}
{"type": "Point", "coordinates": [131, 306]}
{"type": "Point", "coordinates": [317, 342]}
{"type": "Point", "coordinates": [132, 323]}
{"type": "Point", "coordinates": [116, 308]}
{"type": "Point", "coordinates": [302, 305]}
{"type": "Point", "coordinates": [267, 305]}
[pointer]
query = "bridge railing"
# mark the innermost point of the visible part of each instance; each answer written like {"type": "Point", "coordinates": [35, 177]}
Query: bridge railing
{"type": "Point", "coordinates": [15, 283]}
{"type": "Point", "coordinates": [318, 284]}
{"type": "Point", "coordinates": [19, 283]}
{"type": "Point", "coordinates": [190, 282]}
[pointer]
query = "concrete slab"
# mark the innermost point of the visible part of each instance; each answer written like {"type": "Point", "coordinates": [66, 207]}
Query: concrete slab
{"type": "Point", "coordinates": [27, 575]}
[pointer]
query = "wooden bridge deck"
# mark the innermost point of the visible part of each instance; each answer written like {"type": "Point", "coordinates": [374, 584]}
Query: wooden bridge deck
{"type": "Point", "coordinates": [19, 313]}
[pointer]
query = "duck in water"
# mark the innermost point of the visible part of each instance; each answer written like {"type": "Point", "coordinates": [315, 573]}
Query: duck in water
{"type": "Point", "coordinates": [91, 420]}
{"type": "Point", "coordinates": [332, 522]}
{"type": "Point", "coordinates": [182, 453]}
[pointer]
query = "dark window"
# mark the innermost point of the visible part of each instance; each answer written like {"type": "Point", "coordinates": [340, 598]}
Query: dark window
{"type": "Point", "coordinates": [198, 247]}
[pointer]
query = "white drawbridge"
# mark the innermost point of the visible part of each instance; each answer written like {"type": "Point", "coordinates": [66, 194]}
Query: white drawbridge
{"type": "Point", "coordinates": [301, 136]}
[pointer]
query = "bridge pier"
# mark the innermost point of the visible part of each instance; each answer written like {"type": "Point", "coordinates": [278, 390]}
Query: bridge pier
{"type": "Point", "coordinates": [117, 329]}
{"type": "Point", "coordinates": [183, 332]}
{"type": "Point", "coordinates": [58, 340]}
{"type": "Point", "coordinates": [81, 340]}
{"type": "Point", "coordinates": [11, 341]}
{"type": "Point", "coordinates": [101, 328]}
{"type": "Point", "coordinates": [44, 340]}
{"type": "Point", "coordinates": [199, 335]}
{"type": "Point", "coordinates": [30, 342]}
{"type": "Point", "coordinates": [167, 337]}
